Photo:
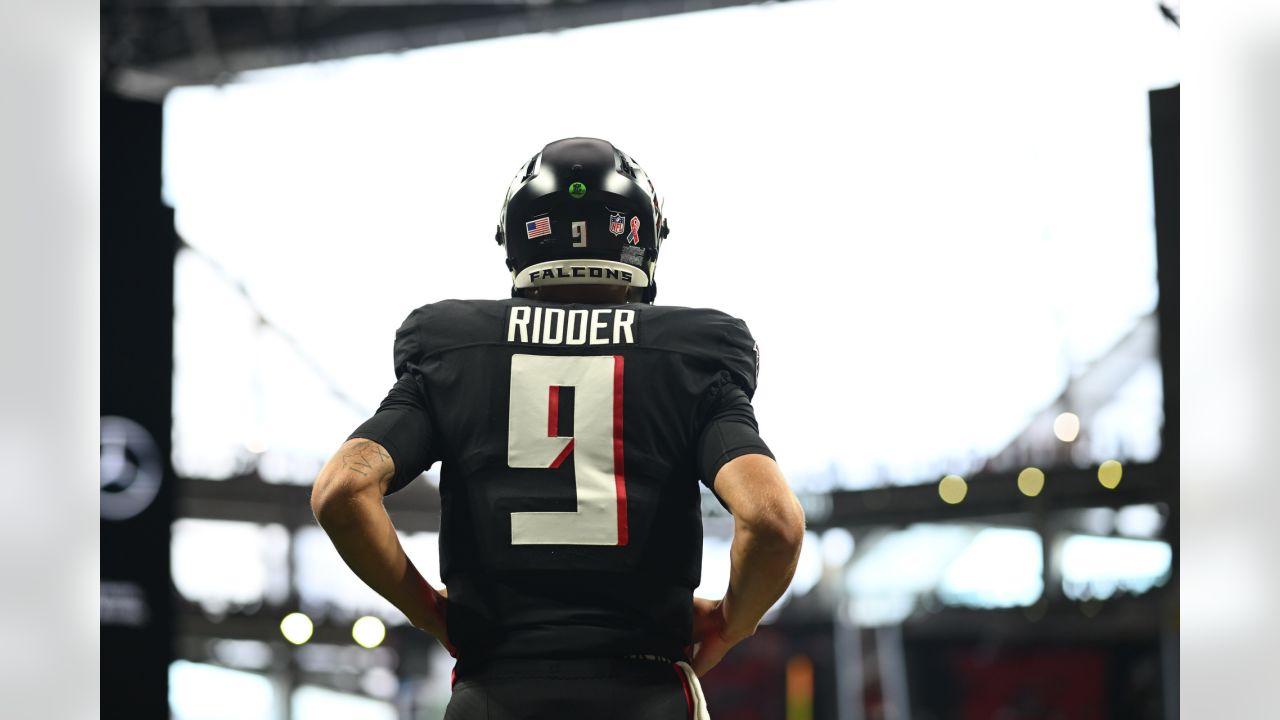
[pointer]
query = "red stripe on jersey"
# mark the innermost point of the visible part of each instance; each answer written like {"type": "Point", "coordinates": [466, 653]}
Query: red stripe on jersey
{"type": "Point", "coordinates": [688, 693]}
{"type": "Point", "coordinates": [563, 454]}
{"type": "Point", "coordinates": [618, 476]}
{"type": "Point", "coordinates": [553, 412]}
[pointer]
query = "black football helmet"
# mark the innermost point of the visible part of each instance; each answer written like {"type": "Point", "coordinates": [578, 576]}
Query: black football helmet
{"type": "Point", "coordinates": [582, 212]}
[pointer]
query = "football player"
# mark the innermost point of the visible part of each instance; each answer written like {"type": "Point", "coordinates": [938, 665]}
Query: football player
{"type": "Point", "coordinates": [573, 422]}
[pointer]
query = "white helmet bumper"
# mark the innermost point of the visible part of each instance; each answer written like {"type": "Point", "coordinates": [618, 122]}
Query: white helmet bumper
{"type": "Point", "coordinates": [583, 271]}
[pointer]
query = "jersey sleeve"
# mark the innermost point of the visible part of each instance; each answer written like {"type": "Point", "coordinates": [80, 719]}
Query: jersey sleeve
{"type": "Point", "coordinates": [729, 429]}
{"type": "Point", "coordinates": [737, 353]}
{"type": "Point", "coordinates": [402, 423]}
{"type": "Point", "coordinates": [729, 432]}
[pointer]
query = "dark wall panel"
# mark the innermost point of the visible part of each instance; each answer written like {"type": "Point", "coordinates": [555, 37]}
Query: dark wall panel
{"type": "Point", "coordinates": [138, 246]}
{"type": "Point", "coordinates": [1166, 182]}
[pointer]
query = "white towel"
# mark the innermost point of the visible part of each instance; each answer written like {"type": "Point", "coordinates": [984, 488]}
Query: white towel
{"type": "Point", "coordinates": [695, 688]}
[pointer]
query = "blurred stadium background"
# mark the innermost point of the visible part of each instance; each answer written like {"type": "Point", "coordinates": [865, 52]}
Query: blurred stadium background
{"type": "Point", "coordinates": [953, 229]}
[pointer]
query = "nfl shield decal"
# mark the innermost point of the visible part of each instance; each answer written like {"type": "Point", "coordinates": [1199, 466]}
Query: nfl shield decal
{"type": "Point", "coordinates": [633, 237]}
{"type": "Point", "coordinates": [617, 222]}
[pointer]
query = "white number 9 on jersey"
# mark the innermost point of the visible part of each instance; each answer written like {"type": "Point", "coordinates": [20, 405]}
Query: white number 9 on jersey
{"type": "Point", "coordinates": [534, 441]}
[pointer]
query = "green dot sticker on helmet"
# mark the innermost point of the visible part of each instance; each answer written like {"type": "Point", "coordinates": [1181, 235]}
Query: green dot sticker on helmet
{"type": "Point", "coordinates": [577, 190]}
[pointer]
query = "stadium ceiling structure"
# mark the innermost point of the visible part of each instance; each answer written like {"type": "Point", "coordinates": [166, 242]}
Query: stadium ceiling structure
{"type": "Point", "coordinates": [151, 46]}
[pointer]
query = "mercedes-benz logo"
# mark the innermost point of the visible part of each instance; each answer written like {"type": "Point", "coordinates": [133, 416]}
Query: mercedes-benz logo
{"type": "Point", "coordinates": [131, 468]}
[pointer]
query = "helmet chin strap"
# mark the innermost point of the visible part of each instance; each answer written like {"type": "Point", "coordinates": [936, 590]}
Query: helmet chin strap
{"type": "Point", "coordinates": [650, 292]}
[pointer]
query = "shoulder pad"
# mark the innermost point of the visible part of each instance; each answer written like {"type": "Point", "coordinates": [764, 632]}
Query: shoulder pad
{"type": "Point", "coordinates": [440, 326]}
{"type": "Point", "coordinates": [716, 338]}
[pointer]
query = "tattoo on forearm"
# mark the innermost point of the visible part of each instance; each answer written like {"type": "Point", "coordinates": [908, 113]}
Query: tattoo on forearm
{"type": "Point", "coordinates": [367, 457]}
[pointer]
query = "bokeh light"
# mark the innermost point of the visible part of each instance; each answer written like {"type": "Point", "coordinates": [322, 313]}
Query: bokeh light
{"type": "Point", "coordinates": [1139, 521]}
{"type": "Point", "coordinates": [800, 688]}
{"type": "Point", "coordinates": [1031, 481]}
{"type": "Point", "coordinates": [952, 489]}
{"type": "Point", "coordinates": [1109, 474]}
{"type": "Point", "coordinates": [369, 632]}
{"type": "Point", "coordinates": [837, 546]}
{"type": "Point", "coordinates": [1066, 427]}
{"type": "Point", "coordinates": [296, 628]}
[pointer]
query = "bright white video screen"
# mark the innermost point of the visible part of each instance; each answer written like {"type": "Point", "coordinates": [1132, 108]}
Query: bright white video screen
{"type": "Point", "coordinates": [936, 220]}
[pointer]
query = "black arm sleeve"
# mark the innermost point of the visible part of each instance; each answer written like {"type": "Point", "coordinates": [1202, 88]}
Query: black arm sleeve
{"type": "Point", "coordinates": [730, 432]}
{"type": "Point", "coordinates": [403, 426]}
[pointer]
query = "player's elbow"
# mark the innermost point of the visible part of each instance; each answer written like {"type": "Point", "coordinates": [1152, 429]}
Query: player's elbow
{"type": "Point", "coordinates": [762, 503]}
{"type": "Point", "coordinates": [354, 477]}
{"type": "Point", "coordinates": [780, 525]}
{"type": "Point", "coordinates": [332, 497]}
{"type": "Point", "coordinates": [790, 523]}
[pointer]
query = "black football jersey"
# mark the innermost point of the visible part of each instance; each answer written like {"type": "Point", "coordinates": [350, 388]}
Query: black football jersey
{"type": "Point", "coordinates": [571, 441]}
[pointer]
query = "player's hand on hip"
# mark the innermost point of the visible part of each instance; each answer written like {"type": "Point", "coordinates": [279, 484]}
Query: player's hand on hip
{"type": "Point", "coordinates": [442, 636]}
{"type": "Point", "coordinates": [710, 642]}
{"type": "Point", "coordinates": [432, 617]}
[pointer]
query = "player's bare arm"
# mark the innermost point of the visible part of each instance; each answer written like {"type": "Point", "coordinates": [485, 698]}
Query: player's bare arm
{"type": "Point", "coordinates": [767, 534]}
{"type": "Point", "coordinates": [347, 502]}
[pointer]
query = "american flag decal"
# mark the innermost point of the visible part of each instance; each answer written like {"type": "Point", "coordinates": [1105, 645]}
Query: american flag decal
{"type": "Point", "coordinates": [538, 227]}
